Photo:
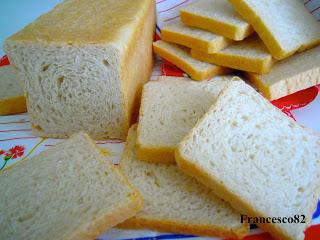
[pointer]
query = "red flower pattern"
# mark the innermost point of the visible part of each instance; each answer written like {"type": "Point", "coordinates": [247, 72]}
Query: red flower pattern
{"type": "Point", "coordinates": [16, 151]}
{"type": "Point", "coordinates": [12, 153]}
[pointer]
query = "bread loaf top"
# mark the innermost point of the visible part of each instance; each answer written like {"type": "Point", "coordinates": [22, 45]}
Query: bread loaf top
{"type": "Point", "coordinates": [82, 22]}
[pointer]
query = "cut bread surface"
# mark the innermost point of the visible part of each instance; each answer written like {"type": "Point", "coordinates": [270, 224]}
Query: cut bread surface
{"type": "Point", "coordinates": [274, 162]}
{"type": "Point", "coordinates": [195, 38]}
{"type": "Point", "coordinates": [69, 191]}
{"type": "Point", "coordinates": [290, 75]}
{"type": "Point", "coordinates": [285, 26]}
{"type": "Point", "coordinates": [175, 202]}
{"type": "Point", "coordinates": [180, 56]}
{"type": "Point", "coordinates": [170, 107]}
{"type": "Point", "coordinates": [249, 55]}
{"type": "Point", "coordinates": [217, 16]}
{"type": "Point", "coordinates": [78, 75]}
{"type": "Point", "coordinates": [12, 100]}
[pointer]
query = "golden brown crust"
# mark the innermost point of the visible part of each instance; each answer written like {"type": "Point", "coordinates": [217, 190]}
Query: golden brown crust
{"type": "Point", "coordinates": [195, 43]}
{"type": "Point", "coordinates": [120, 214]}
{"type": "Point", "coordinates": [77, 22]}
{"type": "Point", "coordinates": [194, 73]}
{"type": "Point", "coordinates": [103, 223]}
{"type": "Point", "coordinates": [184, 228]}
{"type": "Point", "coordinates": [155, 154]}
{"type": "Point", "coordinates": [13, 105]}
{"type": "Point", "coordinates": [221, 28]}
{"type": "Point", "coordinates": [138, 64]}
{"type": "Point", "coordinates": [220, 190]}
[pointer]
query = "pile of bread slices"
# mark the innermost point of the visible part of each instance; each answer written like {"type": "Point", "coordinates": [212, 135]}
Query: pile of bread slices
{"type": "Point", "coordinates": [201, 153]}
{"type": "Point", "coordinates": [269, 42]}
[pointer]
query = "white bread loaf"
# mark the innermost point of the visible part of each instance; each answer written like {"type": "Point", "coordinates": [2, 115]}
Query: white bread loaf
{"type": "Point", "coordinates": [69, 191]}
{"type": "Point", "coordinates": [256, 158]}
{"type": "Point", "coordinates": [83, 65]}
{"type": "Point", "coordinates": [12, 100]}
{"type": "Point", "coordinates": [175, 202]}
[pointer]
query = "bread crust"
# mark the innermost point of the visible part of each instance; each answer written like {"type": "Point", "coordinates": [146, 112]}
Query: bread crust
{"type": "Point", "coordinates": [13, 105]}
{"type": "Point", "coordinates": [155, 154]}
{"type": "Point", "coordinates": [258, 65]}
{"type": "Point", "coordinates": [184, 228]}
{"type": "Point", "coordinates": [194, 43]}
{"type": "Point", "coordinates": [194, 73]}
{"type": "Point", "coordinates": [222, 28]}
{"type": "Point", "coordinates": [122, 213]}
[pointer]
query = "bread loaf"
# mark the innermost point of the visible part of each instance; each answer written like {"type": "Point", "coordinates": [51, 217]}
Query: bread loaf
{"type": "Point", "coordinates": [12, 100]}
{"type": "Point", "coordinates": [83, 65]}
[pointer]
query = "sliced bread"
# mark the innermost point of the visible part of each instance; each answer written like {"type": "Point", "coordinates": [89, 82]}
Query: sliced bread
{"type": "Point", "coordinates": [67, 192]}
{"type": "Point", "coordinates": [83, 65]}
{"type": "Point", "coordinates": [175, 202]}
{"type": "Point", "coordinates": [217, 16]}
{"type": "Point", "coordinates": [194, 38]}
{"type": "Point", "coordinates": [249, 55]}
{"type": "Point", "coordinates": [257, 159]}
{"type": "Point", "coordinates": [180, 56]}
{"type": "Point", "coordinates": [170, 107]}
{"type": "Point", "coordinates": [290, 75]}
{"type": "Point", "coordinates": [285, 26]}
{"type": "Point", "coordinates": [12, 100]}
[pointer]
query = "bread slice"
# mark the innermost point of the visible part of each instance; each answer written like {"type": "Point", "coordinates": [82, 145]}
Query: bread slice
{"type": "Point", "coordinates": [12, 100]}
{"type": "Point", "coordinates": [175, 202]}
{"type": "Point", "coordinates": [285, 26]}
{"type": "Point", "coordinates": [180, 56]}
{"type": "Point", "coordinates": [256, 158]}
{"type": "Point", "coordinates": [170, 107]}
{"type": "Point", "coordinates": [248, 55]}
{"type": "Point", "coordinates": [67, 192]}
{"type": "Point", "coordinates": [193, 37]}
{"type": "Point", "coordinates": [217, 16]}
{"type": "Point", "coordinates": [290, 75]}
{"type": "Point", "coordinates": [83, 66]}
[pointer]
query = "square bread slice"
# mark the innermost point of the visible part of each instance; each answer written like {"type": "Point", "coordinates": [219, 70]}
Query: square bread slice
{"type": "Point", "coordinates": [249, 55]}
{"type": "Point", "coordinates": [12, 100]}
{"type": "Point", "coordinates": [290, 75]}
{"type": "Point", "coordinates": [256, 158]}
{"type": "Point", "coordinates": [170, 107]}
{"type": "Point", "coordinates": [195, 38]}
{"type": "Point", "coordinates": [175, 202]}
{"type": "Point", "coordinates": [180, 56]}
{"type": "Point", "coordinates": [217, 16]}
{"type": "Point", "coordinates": [83, 65]}
{"type": "Point", "coordinates": [285, 26]}
{"type": "Point", "coordinates": [70, 191]}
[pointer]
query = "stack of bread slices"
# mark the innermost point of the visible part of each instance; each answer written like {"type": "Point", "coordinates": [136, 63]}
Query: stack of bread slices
{"type": "Point", "coordinates": [273, 44]}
